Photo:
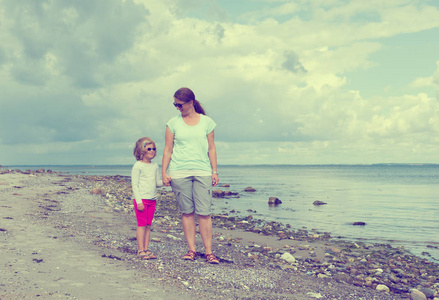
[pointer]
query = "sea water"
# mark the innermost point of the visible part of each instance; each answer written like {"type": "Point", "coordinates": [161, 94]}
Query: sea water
{"type": "Point", "coordinates": [398, 203]}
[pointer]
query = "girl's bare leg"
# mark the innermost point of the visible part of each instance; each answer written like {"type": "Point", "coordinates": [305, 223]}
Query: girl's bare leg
{"type": "Point", "coordinates": [147, 237]}
{"type": "Point", "coordinates": [140, 235]}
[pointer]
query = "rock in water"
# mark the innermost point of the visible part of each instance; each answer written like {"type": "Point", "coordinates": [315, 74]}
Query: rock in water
{"type": "Point", "coordinates": [249, 189]}
{"type": "Point", "coordinates": [274, 200]}
{"type": "Point", "coordinates": [317, 202]}
{"type": "Point", "coordinates": [359, 224]}
{"type": "Point", "coordinates": [218, 194]}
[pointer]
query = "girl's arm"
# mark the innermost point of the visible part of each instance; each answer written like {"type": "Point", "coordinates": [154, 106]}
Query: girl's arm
{"type": "Point", "coordinates": [212, 157]}
{"type": "Point", "coordinates": [135, 177]}
{"type": "Point", "coordinates": [169, 146]}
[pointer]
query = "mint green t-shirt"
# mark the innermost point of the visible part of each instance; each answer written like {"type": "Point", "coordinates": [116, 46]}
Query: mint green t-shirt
{"type": "Point", "coordinates": [191, 148]}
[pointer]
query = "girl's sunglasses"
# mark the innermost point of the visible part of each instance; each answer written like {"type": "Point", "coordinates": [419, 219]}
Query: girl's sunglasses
{"type": "Point", "coordinates": [178, 105]}
{"type": "Point", "coordinates": [148, 149]}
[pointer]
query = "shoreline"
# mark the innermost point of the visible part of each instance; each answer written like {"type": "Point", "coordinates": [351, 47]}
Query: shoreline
{"type": "Point", "coordinates": [405, 225]}
{"type": "Point", "coordinates": [263, 260]}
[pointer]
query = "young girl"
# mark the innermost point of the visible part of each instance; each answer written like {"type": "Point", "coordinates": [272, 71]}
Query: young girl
{"type": "Point", "coordinates": [144, 180]}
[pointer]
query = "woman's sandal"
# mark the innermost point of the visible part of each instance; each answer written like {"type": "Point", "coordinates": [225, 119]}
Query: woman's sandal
{"type": "Point", "coordinates": [140, 255]}
{"type": "Point", "coordinates": [211, 258]}
{"type": "Point", "coordinates": [190, 255]}
{"type": "Point", "coordinates": [149, 255]}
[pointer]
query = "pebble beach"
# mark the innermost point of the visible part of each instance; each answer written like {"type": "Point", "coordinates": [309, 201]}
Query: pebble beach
{"type": "Point", "coordinates": [73, 237]}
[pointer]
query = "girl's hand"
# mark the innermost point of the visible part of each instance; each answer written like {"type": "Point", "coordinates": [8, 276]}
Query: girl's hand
{"type": "Point", "coordinates": [140, 207]}
{"type": "Point", "coordinates": [215, 179]}
{"type": "Point", "coordinates": [166, 180]}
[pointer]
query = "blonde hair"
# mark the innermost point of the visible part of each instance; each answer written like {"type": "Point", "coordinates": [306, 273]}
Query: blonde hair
{"type": "Point", "coordinates": [139, 148]}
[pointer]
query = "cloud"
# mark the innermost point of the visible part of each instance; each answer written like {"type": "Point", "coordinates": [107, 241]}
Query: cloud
{"type": "Point", "coordinates": [86, 74]}
{"type": "Point", "coordinates": [81, 38]}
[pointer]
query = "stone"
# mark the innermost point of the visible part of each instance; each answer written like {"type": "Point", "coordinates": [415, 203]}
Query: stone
{"type": "Point", "coordinates": [274, 201]}
{"type": "Point", "coordinates": [97, 191]}
{"type": "Point", "coordinates": [288, 258]}
{"type": "Point", "coordinates": [317, 202]}
{"type": "Point", "coordinates": [335, 250]}
{"type": "Point", "coordinates": [359, 224]}
{"type": "Point", "coordinates": [394, 278]}
{"type": "Point", "coordinates": [170, 236]}
{"type": "Point", "coordinates": [249, 189]}
{"type": "Point", "coordinates": [379, 271]}
{"type": "Point", "coordinates": [382, 288]}
{"type": "Point", "coordinates": [230, 193]}
{"type": "Point", "coordinates": [417, 295]}
{"type": "Point", "coordinates": [314, 295]}
{"type": "Point", "coordinates": [429, 293]}
{"type": "Point", "coordinates": [253, 256]}
{"type": "Point", "coordinates": [218, 194]}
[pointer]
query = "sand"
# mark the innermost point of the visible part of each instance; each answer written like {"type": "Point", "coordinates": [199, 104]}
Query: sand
{"type": "Point", "coordinates": [38, 261]}
{"type": "Point", "coordinates": [60, 241]}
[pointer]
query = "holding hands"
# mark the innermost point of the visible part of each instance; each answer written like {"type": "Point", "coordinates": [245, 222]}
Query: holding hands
{"type": "Point", "coordinates": [215, 179]}
{"type": "Point", "coordinates": [166, 180]}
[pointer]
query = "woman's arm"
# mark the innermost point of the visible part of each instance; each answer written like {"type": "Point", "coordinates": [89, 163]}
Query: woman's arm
{"type": "Point", "coordinates": [169, 146]}
{"type": "Point", "coordinates": [159, 182]}
{"type": "Point", "coordinates": [212, 157]}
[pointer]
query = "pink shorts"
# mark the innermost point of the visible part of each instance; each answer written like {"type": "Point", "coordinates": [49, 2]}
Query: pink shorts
{"type": "Point", "coordinates": [145, 216]}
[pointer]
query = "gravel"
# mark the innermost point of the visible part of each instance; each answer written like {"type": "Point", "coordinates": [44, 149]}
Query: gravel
{"type": "Point", "coordinates": [104, 221]}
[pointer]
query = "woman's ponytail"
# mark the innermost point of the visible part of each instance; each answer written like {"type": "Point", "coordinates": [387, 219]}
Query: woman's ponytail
{"type": "Point", "coordinates": [184, 94]}
{"type": "Point", "coordinates": [198, 108]}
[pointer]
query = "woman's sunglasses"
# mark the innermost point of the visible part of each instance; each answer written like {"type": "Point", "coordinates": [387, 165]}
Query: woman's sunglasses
{"type": "Point", "coordinates": [178, 105]}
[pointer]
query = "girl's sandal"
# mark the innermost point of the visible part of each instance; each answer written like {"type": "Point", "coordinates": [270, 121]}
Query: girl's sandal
{"type": "Point", "coordinates": [140, 255]}
{"type": "Point", "coordinates": [190, 255]}
{"type": "Point", "coordinates": [149, 255]}
{"type": "Point", "coordinates": [211, 258]}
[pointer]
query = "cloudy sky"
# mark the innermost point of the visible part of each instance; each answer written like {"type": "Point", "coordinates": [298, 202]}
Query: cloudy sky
{"type": "Point", "coordinates": [287, 81]}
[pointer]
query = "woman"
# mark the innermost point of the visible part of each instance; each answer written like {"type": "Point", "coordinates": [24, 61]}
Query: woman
{"type": "Point", "coordinates": [190, 156]}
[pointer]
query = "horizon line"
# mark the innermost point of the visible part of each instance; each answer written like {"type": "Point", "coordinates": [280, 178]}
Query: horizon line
{"type": "Point", "coordinates": [225, 165]}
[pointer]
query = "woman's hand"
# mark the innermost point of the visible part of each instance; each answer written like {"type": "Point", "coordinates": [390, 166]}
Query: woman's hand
{"type": "Point", "coordinates": [140, 207]}
{"type": "Point", "coordinates": [166, 180]}
{"type": "Point", "coordinates": [215, 179]}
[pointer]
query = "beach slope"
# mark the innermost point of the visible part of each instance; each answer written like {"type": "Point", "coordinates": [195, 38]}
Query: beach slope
{"type": "Point", "coordinates": [73, 237]}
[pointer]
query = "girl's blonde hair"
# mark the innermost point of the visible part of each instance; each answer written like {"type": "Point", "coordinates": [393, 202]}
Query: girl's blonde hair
{"type": "Point", "coordinates": [139, 148]}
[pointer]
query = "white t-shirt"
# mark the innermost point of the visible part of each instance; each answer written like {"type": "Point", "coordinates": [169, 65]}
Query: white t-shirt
{"type": "Point", "coordinates": [145, 179]}
{"type": "Point", "coordinates": [191, 147]}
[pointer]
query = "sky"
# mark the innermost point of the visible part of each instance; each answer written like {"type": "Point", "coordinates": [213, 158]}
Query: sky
{"type": "Point", "coordinates": [286, 81]}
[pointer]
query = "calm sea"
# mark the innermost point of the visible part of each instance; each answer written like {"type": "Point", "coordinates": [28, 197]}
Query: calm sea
{"type": "Point", "coordinates": [398, 203]}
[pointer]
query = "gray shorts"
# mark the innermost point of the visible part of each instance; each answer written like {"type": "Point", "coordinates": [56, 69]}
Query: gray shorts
{"type": "Point", "coordinates": [193, 193]}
